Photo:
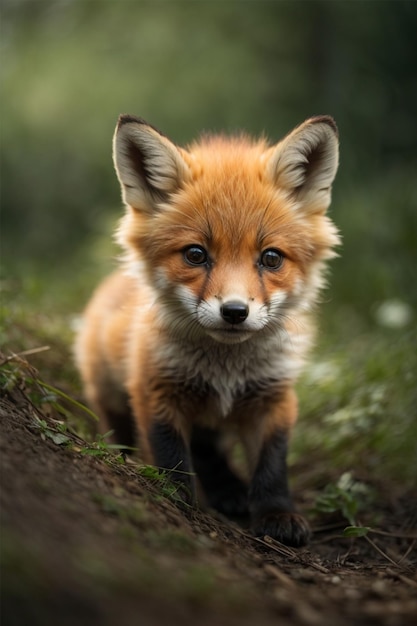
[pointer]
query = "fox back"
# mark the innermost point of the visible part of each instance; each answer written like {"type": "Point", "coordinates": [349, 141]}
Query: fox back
{"type": "Point", "coordinates": [206, 328]}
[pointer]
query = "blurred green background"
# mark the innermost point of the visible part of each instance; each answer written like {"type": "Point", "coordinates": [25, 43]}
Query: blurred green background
{"type": "Point", "coordinates": [70, 67]}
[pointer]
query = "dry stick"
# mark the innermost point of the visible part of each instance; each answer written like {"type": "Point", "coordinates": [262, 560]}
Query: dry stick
{"type": "Point", "coordinates": [407, 552]}
{"type": "Point", "coordinates": [284, 550]}
{"type": "Point", "coordinates": [18, 355]}
{"type": "Point", "coordinates": [281, 548]}
{"type": "Point", "coordinates": [395, 535]}
{"type": "Point", "coordinates": [378, 549]}
{"type": "Point", "coordinates": [280, 576]}
{"type": "Point", "coordinates": [404, 579]}
{"type": "Point", "coordinates": [319, 567]}
{"type": "Point", "coordinates": [267, 541]}
{"type": "Point", "coordinates": [277, 546]}
{"type": "Point", "coordinates": [381, 552]}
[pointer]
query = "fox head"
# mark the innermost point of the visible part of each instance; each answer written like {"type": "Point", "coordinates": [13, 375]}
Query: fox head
{"type": "Point", "coordinates": [231, 233]}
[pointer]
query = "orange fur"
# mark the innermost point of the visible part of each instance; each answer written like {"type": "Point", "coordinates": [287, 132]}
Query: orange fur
{"type": "Point", "coordinates": [162, 340]}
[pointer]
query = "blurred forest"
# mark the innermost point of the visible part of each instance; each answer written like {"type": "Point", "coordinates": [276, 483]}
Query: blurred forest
{"type": "Point", "coordinates": [70, 67]}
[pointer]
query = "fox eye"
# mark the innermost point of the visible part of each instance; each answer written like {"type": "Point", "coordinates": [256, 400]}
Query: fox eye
{"type": "Point", "coordinates": [195, 255]}
{"type": "Point", "coordinates": [271, 259]}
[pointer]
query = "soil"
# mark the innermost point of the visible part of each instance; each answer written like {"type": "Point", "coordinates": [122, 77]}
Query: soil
{"type": "Point", "coordinates": [88, 538]}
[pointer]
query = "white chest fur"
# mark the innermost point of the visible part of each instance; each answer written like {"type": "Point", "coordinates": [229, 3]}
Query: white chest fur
{"type": "Point", "coordinates": [228, 369]}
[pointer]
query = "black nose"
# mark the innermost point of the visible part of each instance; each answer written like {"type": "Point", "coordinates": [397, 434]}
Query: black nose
{"type": "Point", "coordinates": [234, 312]}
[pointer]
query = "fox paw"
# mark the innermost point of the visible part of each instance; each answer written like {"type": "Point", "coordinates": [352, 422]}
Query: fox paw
{"type": "Point", "coordinates": [288, 528]}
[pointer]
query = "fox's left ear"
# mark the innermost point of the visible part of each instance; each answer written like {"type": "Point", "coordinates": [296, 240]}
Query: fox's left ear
{"type": "Point", "coordinates": [305, 163]}
{"type": "Point", "coordinates": [149, 166]}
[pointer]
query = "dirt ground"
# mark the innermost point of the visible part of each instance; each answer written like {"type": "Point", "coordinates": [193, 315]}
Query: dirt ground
{"type": "Point", "coordinates": [89, 539]}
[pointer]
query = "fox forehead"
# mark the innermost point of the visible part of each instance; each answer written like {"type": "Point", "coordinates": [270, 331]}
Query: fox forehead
{"type": "Point", "coordinates": [232, 217]}
{"type": "Point", "coordinates": [224, 198]}
{"type": "Point", "coordinates": [228, 182]}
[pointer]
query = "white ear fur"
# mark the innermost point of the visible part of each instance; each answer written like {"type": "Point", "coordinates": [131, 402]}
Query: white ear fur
{"type": "Point", "coordinates": [148, 165]}
{"type": "Point", "coordinates": [305, 163]}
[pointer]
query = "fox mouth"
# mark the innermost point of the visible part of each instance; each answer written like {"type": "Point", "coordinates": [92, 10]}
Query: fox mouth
{"type": "Point", "coordinates": [232, 329]}
{"type": "Point", "coordinates": [234, 334]}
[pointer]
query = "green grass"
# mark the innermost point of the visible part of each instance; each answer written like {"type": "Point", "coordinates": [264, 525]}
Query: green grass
{"type": "Point", "coordinates": [358, 400]}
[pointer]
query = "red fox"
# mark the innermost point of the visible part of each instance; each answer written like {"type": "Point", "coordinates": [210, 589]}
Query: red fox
{"type": "Point", "coordinates": [205, 330]}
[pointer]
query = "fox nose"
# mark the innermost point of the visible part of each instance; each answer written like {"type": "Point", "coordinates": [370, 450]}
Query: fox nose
{"type": "Point", "coordinates": [234, 312]}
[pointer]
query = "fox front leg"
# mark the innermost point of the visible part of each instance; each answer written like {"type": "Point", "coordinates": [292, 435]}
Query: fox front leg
{"type": "Point", "coordinates": [270, 503]}
{"type": "Point", "coordinates": [170, 453]}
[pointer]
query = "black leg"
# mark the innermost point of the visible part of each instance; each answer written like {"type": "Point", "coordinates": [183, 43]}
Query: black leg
{"type": "Point", "coordinates": [224, 491]}
{"type": "Point", "coordinates": [124, 429]}
{"type": "Point", "coordinates": [270, 502]}
{"type": "Point", "coordinates": [170, 453]}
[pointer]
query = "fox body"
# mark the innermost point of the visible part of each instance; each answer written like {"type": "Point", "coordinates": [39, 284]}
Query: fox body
{"type": "Point", "coordinates": [204, 331]}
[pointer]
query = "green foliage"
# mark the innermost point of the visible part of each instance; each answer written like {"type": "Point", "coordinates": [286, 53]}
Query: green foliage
{"type": "Point", "coordinates": [58, 435]}
{"type": "Point", "coordinates": [165, 482]}
{"type": "Point", "coordinates": [16, 372]}
{"type": "Point", "coordinates": [356, 531]}
{"type": "Point", "coordinates": [102, 448]}
{"type": "Point", "coordinates": [51, 395]}
{"type": "Point", "coordinates": [357, 403]}
{"type": "Point", "coordinates": [346, 497]}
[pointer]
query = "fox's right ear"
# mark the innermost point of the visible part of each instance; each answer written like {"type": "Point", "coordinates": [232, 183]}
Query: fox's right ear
{"type": "Point", "coordinates": [148, 165]}
{"type": "Point", "coordinates": [305, 163]}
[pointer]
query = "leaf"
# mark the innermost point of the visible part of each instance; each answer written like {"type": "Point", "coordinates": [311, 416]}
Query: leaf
{"type": "Point", "coordinates": [356, 531]}
{"type": "Point", "coordinates": [93, 452]}
{"type": "Point", "coordinates": [58, 438]}
{"type": "Point", "coordinates": [63, 395]}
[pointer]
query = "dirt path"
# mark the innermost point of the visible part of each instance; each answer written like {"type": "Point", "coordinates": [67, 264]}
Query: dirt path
{"type": "Point", "coordinates": [89, 540]}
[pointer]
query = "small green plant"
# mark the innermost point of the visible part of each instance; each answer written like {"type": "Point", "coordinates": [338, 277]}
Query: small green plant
{"type": "Point", "coordinates": [51, 396]}
{"type": "Point", "coordinates": [57, 434]}
{"type": "Point", "coordinates": [17, 373]}
{"type": "Point", "coordinates": [346, 497]}
{"type": "Point", "coordinates": [167, 487]}
{"type": "Point", "coordinates": [102, 448]}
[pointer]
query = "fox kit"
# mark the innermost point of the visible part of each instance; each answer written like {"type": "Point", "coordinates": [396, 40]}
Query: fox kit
{"type": "Point", "coordinates": [206, 329]}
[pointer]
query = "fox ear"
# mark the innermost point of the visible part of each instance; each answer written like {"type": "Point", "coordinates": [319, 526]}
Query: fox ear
{"type": "Point", "coordinates": [148, 165]}
{"type": "Point", "coordinates": [305, 163]}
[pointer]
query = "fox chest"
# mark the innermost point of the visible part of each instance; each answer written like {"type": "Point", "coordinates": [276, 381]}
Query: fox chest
{"type": "Point", "coordinates": [212, 385]}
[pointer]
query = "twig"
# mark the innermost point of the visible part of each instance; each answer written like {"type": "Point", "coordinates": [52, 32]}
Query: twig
{"type": "Point", "coordinates": [407, 552]}
{"type": "Point", "coordinates": [277, 546]}
{"type": "Point", "coordinates": [378, 549]}
{"type": "Point", "coordinates": [404, 579]}
{"type": "Point", "coordinates": [280, 576]}
{"type": "Point", "coordinates": [395, 535]}
{"type": "Point", "coordinates": [18, 355]}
